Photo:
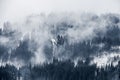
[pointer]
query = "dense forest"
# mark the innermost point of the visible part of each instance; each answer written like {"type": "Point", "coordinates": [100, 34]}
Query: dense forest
{"type": "Point", "coordinates": [82, 48]}
{"type": "Point", "coordinates": [61, 70]}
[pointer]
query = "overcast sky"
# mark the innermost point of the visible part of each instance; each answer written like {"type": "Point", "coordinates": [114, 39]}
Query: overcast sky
{"type": "Point", "coordinates": [12, 9]}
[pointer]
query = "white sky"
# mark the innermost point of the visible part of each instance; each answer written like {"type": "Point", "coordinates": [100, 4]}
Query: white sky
{"type": "Point", "coordinates": [13, 9]}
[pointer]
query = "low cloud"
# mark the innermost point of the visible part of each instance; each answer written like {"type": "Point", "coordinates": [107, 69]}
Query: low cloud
{"type": "Point", "coordinates": [31, 40]}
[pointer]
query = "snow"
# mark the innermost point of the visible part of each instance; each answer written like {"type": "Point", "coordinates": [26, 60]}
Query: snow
{"type": "Point", "coordinates": [106, 59]}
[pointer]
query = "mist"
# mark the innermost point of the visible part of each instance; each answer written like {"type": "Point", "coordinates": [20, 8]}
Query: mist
{"type": "Point", "coordinates": [12, 10]}
{"type": "Point", "coordinates": [38, 39]}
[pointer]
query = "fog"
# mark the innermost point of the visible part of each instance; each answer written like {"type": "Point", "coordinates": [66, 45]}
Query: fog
{"type": "Point", "coordinates": [34, 24]}
{"type": "Point", "coordinates": [15, 9]}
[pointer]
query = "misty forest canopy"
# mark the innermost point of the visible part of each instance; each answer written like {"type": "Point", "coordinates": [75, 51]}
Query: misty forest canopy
{"type": "Point", "coordinates": [38, 39]}
{"type": "Point", "coordinates": [61, 70]}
